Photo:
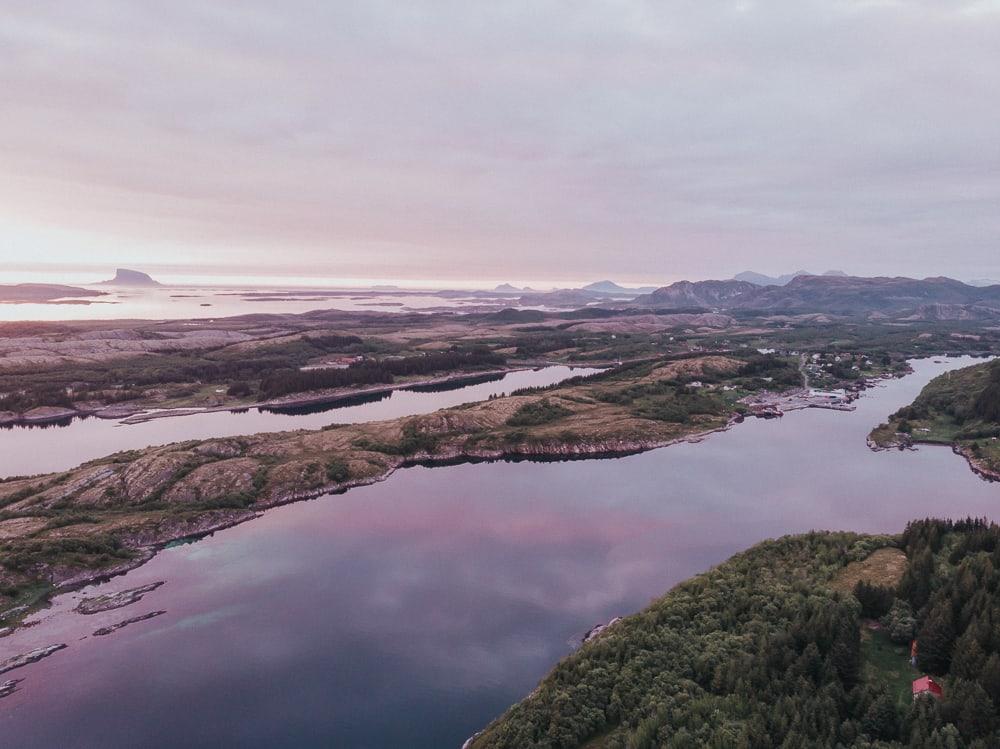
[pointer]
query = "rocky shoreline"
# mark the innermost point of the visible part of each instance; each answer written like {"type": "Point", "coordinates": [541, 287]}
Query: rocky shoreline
{"type": "Point", "coordinates": [902, 441]}
{"type": "Point", "coordinates": [112, 601]}
{"type": "Point", "coordinates": [32, 656]}
{"type": "Point", "coordinates": [978, 467]}
{"type": "Point", "coordinates": [276, 469]}
{"type": "Point", "coordinates": [103, 631]}
{"type": "Point", "coordinates": [146, 547]}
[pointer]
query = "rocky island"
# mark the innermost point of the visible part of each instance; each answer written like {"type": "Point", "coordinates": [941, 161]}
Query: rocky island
{"type": "Point", "coordinates": [130, 278]}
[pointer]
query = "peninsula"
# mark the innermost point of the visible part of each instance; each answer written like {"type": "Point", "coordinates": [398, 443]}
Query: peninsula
{"type": "Point", "coordinates": [960, 409]}
{"type": "Point", "coordinates": [63, 529]}
{"type": "Point", "coordinates": [801, 641]}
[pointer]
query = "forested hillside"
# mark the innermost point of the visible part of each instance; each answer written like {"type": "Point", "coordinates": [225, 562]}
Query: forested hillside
{"type": "Point", "coordinates": [960, 408]}
{"type": "Point", "coordinates": [770, 650]}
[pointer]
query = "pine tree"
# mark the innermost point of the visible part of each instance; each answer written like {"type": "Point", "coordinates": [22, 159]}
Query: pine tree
{"type": "Point", "coordinates": [881, 720]}
{"type": "Point", "coordinates": [968, 658]}
{"type": "Point", "coordinates": [974, 713]}
{"type": "Point", "coordinates": [936, 640]}
{"type": "Point", "coordinates": [990, 678]}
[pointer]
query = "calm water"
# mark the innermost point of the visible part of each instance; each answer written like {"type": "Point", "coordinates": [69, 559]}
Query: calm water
{"type": "Point", "coordinates": [27, 450]}
{"type": "Point", "coordinates": [178, 303]}
{"type": "Point", "coordinates": [409, 613]}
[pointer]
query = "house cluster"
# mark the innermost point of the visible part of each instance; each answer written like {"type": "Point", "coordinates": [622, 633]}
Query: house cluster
{"type": "Point", "coordinates": [857, 362]}
{"type": "Point", "coordinates": [333, 362]}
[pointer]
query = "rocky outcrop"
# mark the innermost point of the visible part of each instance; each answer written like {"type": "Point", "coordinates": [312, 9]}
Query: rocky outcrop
{"type": "Point", "coordinates": [111, 601]}
{"type": "Point", "coordinates": [230, 477]}
{"type": "Point", "coordinates": [154, 473]}
{"type": "Point", "coordinates": [600, 629]}
{"type": "Point", "coordinates": [9, 687]}
{"type": "Point", "coordinates": [31, 656]}
{"type": "Point", "coordinates": [135, 619]}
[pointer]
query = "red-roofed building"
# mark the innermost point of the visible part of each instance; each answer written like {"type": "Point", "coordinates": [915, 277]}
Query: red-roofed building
{"type": "Point", "coordinates": [925, 686]}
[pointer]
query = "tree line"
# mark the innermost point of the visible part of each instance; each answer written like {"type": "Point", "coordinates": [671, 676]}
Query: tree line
{"type": "Point", "coordinates": [376, 371]}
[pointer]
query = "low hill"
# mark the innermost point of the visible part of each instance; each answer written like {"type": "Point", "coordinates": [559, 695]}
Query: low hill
{"type": "Point", "coordinates": [42, 292]}
{"type": "Point", "coordinates": [697, 294]}
{"type": "Point", "coordinates": [126, 277]}
{"type": "Point", "coordinates": [610, 287]}
{"type": "Point", "coordinates": [770, 649]}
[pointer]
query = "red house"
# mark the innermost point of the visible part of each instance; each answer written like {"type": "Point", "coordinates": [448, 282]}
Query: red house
{"type": "Point", "coordinates": [925, 686]}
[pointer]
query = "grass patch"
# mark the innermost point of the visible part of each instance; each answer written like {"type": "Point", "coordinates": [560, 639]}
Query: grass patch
{"type": "Point", "coordinates": [539, 412]}
{"type": "Point", "coordinates": [883, 568]}
{"type": "Point", "coordinates": [887, 663]}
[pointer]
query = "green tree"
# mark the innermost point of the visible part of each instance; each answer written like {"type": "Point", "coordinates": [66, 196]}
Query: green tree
{"type": "Point", "coordinates": [881, 720]}
{"type": "Point", "coordinates": [936, 640]}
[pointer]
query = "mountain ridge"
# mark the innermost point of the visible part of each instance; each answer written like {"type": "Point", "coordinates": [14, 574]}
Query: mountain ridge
{"type": "Point", "coordinates": [841, 295]}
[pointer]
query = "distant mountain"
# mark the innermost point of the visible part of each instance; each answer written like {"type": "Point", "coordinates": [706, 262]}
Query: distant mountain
{"type": "Point", "coordinates": [687, 294]}
{"type": "Point", "coordinates": [834, 294]}
{"type": "Point", "coordinates": [42, 292]}
{"type": "Point", "coordinates": [610, 287]}
{"type": "Point", "coordinates": [850, 295]}
{"type": "Point", "coordinates": [126, 277]}
{"type": "Point", "coordinates": [760, 279]}
{"type": "Point", "coordinates": [506, 288]}
{"type": "Point", "coordinates": [984, 282]}
{"type": "Point", "coordinates": [560, 298]}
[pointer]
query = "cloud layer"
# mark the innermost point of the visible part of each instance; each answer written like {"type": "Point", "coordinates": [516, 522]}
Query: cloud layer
{"type": "Point", "coordinates": [504, 140]}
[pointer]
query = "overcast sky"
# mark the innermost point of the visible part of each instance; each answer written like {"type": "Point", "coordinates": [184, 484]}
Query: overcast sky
{"type": "Point", "coordinates": [502, 140]}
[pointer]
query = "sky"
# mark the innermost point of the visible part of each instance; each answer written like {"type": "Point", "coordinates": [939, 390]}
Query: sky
{"type": "Point", "coordinates": [500, 141]}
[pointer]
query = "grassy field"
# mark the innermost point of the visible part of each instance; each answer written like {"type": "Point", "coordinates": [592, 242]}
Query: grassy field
{"type": "Point", "coordinates": [883, 567]}
{"type": "Point", "coordinates": [888, 663]}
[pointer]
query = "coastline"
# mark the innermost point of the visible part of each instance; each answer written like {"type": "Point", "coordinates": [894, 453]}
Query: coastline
{"type": "Point", "coordinates": [148, 546]}
{"type": "Point", "coordinates": [617, 436]}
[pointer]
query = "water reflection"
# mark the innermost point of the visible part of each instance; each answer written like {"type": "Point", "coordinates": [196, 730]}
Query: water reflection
{"type": "Point", "coordinates": [410, 612]}
{"type": "Point", "coordinates": [26, 450]}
